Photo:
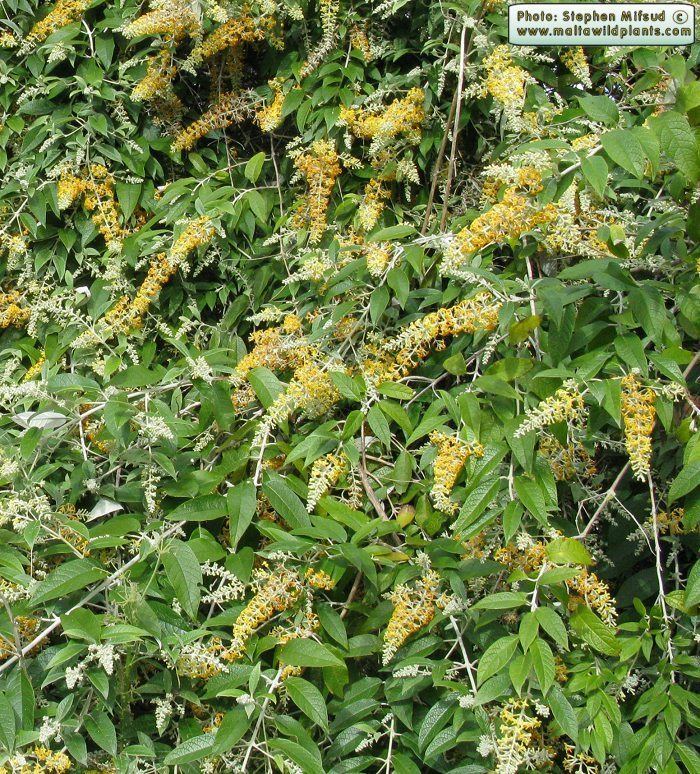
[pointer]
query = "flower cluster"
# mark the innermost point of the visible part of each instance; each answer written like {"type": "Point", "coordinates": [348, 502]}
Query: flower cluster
{"type": "Point", "coordinates": [574, 59]}
{"type": "Point", "coordinates": [320, 168]}
{"type": "Point", "coordinates": [452, 453]}
{"type": "Point", "coordinates": [12, 312]}
{"type": "Point", "coordinates": [505, 81]}
{"type": "Point", "coordinates": [567, 461]}
{"type": "Point", "coordinates": [372, 204]}
{"type": "Point", "coordinates": [96, 186]}
{"type": "Point", "coordinates": [156, 87]}
{"type": "Point", "coordinates": [638, 418]}
{"type": "Point", "coordinates": [174, 19]}
{"type": "Point", "coordinates": [516, 736]}
{"type": "Point", "coordinates": [228, 109]}
{"type": "Point", "coordinates": [510, 218]}
{"type": "Point", "coordinates": [402, 353]}
{"type": "Point", "coordinates": [565, 405]}
{"type": "Point", "coordinates": [40, 760]}
{"type": "Point", "coordinates": [669, 522]}
{"type": "Point", "coordinates": [278, 590]}
{"type": "Point", "coordinates": [126, 315]}
{"type": "Point", "coordinates": [527, 555]}
{"type": "Point", "coordinates": [311, 391]}
{"type": "Point", "coordinates": [403, 116]}
{"type": "Point", "coordinates": [63, 13]}
{"type": "Point", "coordinates": [359, 40]}
{"type": "Point", "coordinates": [270, 117]}
{"type": "Point", "coordinates": [229, 36]}
{"type": "Point", "coordinates": [378, 256]}
{"type": "Point", "coordinates": [413, 608]}
{"type": "Point", "coordinates": [590, 590]}
{"type": "Point", "coordinates": [324, 475]}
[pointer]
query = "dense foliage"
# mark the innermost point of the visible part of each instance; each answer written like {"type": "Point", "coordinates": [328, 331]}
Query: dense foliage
{"type": "Point", "coordinates": [347, 368]}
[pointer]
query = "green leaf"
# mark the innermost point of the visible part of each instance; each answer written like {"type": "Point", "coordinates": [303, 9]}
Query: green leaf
{"type": "Point", "coordinates": [392, 232]}
{"type": "Point", "coordinates": [550, 621]}
{"type": "Point", "coordinates": [231, 730]}
{"type": "Point", "coordinates": [563, 712]}
{"type": "Point", "coordinates": [266, 386]}
{"type": "Point", "coordinates": [527, 631]}
{"type": "Point", "coordinates": [193, 749]}
{"type": "Point", "coordinates": [496, 657]}
{"type": "Point", "coordinates": [502, 600]}
{"type": "Point", "coordinates": [184, 574]}
{"type": "Point", "coordinates": [595, 170]}
{"type": "Point", "coordinates": [379, 425]}
{"type": "Point", "coordinates": [285, 501]}
{"type": "Point", "coordinates": [254, 166]}
{"type": "Point", "coordinates": [306, 760]}
{"type": "Point", "coordinates": [532, 497]}
{"type": "Point", "coordinates": [65, 579]}
{"type": "Point", "coordinates": [308, 653]}
{"type": "Point", "coordinates": [241, 503]}
{"type": "Point", "coordinates": [309, 700]}
{"type": "Point", "coordinates": [685, 482]}
{"type": "Point", "coordinates": [203, 508]}
{"type": "Point", "coordinates": [692, 589]}
{"type": "Point", "coordinates": [593, 631]}
{"type": "Point", "coordinates": [543, 662]}
{"type": "Point", "coordinates": [128, 197]}
{"type": "Point", "coordinates": [102, 731]}
{"type": "Point", "coordinates": [568, 551]}
{"type": "Point", "coordinates": [677, 140]}
{"type": "Point", "coordinates": [625, 150]}
{"type": "Point", "coordinates": [7, 723]}
{"type": "Point", "coordinates": [600, 108]}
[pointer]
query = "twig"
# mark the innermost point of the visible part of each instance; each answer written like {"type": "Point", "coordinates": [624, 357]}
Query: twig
{"type": "Point", "coordinates": [351, 596]}
{"type": "Point", "coordinates": [462, 647]}
{"type": "Point", "coordinates": [261, 717]}
{"type": "Point", "coordinates": [660, 574]}
{"type": "Point", "coordinates": [455, 131]}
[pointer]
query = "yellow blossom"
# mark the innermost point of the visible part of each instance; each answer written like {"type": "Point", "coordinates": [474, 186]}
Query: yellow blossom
{"type": "Point", "coordinates": [565, 405]}
{"type": "Point", "coordinates": [174, 19]}
{"type": "Point", "coordinates": [270, 117]}
{"type": "Point", "coordinates": [413, 608]}
{"type": "Point", "coordinates": [325, 472]}
{"type": "Point", "coordinates": [574, 59]}
{"type": "Point", "coordinates": [372, 204]}
{"type": "Point", "coordinates": [320, 168]}
{"type": "Point", "coordinates": [63, 13]}
{"type": "Point", "coordinates": [278, 591]}
{"type": "Point", "coordinates": [452, 453]}
{"type": "Point", "coordinates": [402, 116]}
{"type": "Point", "coordinates": [638, 418]}
{"type": "Point", "coordinates": [228, 109]}
{"type": "Point", "coordinates": [588, 589]}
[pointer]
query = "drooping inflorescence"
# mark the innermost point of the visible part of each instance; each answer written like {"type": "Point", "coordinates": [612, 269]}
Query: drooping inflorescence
{"type": "Point", "coordinates": [638, 417]}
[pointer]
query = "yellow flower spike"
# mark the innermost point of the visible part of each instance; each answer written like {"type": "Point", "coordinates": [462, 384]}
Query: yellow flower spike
{"type": "Point", "coordinates": [269, 117]}
{"type": "Point", "coordinates": [451, 456]}
{"type": "Point", "coordinates": [228, 109]}
{"type": "Point", "coordinates": [402, 117]}
{"type": "Point", "coordinates": [324, 475]}
{"type": "Point", "coordinates": [638, 418]}
{"type": "Point", "coordinates": [63, 13]}
{"type": "Point", "coordinates": [174, 19]}
{"type": "Point", "coordinates": [320, 167]}
{"type": "Point", "coordinates": [413, 608]}
{"type": "Point", "coordinates": [594, 593]}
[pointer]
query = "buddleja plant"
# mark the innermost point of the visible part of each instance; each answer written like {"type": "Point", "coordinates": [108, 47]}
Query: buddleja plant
{"type": "Point", "coordinates": [348, 384]}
